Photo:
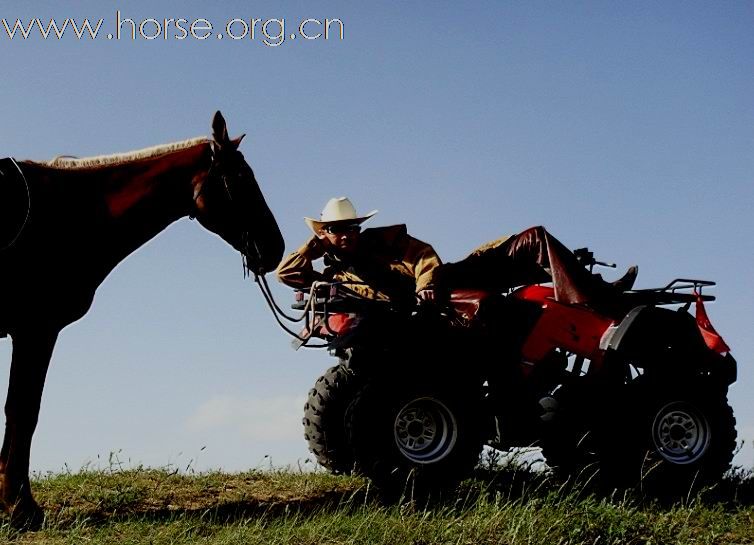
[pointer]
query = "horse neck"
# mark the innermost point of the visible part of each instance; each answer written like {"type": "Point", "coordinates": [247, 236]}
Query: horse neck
{"type": "Point", "coordinates": [115, 208]}
{"type": "Point", "coordinates": [144, 197]}
{"type": "Point", "coordinates": [156, 191]}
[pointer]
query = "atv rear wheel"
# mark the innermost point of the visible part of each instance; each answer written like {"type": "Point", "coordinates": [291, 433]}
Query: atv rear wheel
{"type": "Point", "coordinates": [691, 444]}
{"type": "Point", "coordinates": [416, 438]}
{"type": "Point", "coordinates": [324, 418]}
{"type": "Point", "coordinates": [683, 442]}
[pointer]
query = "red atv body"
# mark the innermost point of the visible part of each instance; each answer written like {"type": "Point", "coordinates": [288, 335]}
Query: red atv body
{"type": "Point", "coordinates": [635, 394]}
{"type": "Point", "coordinates": [582, 331]}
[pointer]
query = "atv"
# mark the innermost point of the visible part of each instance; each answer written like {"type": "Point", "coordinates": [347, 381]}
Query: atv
{"type": "Point", "coordinates": [634, 394]}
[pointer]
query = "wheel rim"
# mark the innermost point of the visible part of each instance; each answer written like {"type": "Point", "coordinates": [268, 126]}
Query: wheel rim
{"type": "Point", "coordinates": [425, 430]}
{"type": "Point", "coordinates": [681, 433]}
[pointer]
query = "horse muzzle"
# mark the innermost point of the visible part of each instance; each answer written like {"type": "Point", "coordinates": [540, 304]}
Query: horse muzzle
{"type": "Point", "coordinates": [263, 254]}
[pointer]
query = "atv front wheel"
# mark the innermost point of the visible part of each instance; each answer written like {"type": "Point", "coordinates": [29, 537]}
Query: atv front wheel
{"type": "Point", "coordinates": [416, 438]}
{"type": "Point", "coordinates": [324, 418]}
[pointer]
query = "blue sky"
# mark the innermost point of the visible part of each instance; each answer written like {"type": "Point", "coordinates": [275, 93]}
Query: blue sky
{"type": "Point", "coordinates": [627, 127]}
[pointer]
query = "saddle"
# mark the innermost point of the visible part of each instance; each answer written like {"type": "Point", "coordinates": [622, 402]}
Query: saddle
{"type": "Point", "coordinates": [15, 202]}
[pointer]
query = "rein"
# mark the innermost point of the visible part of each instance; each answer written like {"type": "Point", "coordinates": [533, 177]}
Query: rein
{"type": "Point", "coordinates": [279, 315]}
{"type": "Point", "coordinates": [308, 313]}
{"type": "Point", "coordinates": [251, 254]}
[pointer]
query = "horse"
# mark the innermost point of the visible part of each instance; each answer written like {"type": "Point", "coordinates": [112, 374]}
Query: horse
{"type": "Point", "coordinates": [81, 217]}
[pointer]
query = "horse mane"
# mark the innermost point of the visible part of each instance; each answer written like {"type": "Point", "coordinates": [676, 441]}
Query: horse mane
{"type": "Point", "coordinates": [74, 163]}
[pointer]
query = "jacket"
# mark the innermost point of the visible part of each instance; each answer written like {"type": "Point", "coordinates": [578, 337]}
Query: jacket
{"type": "Point", "coordinates": [393, 264]}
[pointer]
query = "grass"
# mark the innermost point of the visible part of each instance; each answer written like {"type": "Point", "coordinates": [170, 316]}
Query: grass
{"type": "Point", "coordinates": [141, 506]}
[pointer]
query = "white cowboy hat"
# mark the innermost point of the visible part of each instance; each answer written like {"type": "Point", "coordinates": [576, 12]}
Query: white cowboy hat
{"type": "Point", "coordinates": [337, 210]}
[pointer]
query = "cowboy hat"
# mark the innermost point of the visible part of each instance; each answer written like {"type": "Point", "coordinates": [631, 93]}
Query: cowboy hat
{"type": "Point", "coordinates": [337, 210]}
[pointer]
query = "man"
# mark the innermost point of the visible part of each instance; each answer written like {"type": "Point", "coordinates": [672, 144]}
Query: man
{"type": "Point", "coordinates": [383, 263]}
{"type": "Point", "coordinates": [395, 266]}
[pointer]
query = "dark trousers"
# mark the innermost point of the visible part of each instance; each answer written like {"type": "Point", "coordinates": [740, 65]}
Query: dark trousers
{"type": "Point", "coordinates": [531, 257]}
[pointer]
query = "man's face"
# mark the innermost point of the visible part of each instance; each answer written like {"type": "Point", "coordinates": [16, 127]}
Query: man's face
{"type": "Point", "coordinates": [342, 237]}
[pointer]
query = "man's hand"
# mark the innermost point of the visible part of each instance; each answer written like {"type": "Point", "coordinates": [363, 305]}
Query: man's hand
{"type": "Point", "coordinates": [313, 248]}
{"type": "Point", "coordinates": [427, 295]}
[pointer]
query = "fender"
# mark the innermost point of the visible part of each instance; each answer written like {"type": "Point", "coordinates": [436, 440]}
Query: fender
{"type": "Point", "coordinates": [665, 340]}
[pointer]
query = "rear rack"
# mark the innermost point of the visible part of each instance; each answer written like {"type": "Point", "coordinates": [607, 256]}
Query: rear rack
{"type": "Point", "coordinates": [674, 292]}
{"type": "Point", "coordinates": [686, 283]}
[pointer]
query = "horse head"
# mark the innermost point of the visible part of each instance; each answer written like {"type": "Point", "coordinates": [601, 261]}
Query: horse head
{"type": "Point", "coordinates": [228, 202]}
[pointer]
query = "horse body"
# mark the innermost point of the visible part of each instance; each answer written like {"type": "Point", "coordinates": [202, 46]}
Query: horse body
{"type": "Point", "coordinates": [42, 276]}
{"type": "Point", "coordinates": [85, 219]}
{"type": "Point", "coordinates": [84, 222]}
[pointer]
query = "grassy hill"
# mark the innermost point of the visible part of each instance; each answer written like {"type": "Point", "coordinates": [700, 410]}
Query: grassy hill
{"type": "Point", "coordinates": [143, 506]}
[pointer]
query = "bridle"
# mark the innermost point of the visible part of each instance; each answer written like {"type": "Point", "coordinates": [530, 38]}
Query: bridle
{"type": "Point", "coordinates": [250, 254]}
{"type": "Point", "coordinates": [213, 166]}
{"type": "Point", "coordinates": [216, 174]}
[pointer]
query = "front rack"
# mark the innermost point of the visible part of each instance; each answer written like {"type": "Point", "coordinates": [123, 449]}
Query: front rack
{"type": "Point", "coordinates": [336, 296]}
{"type": "Point", "coordinates": [325, 299]}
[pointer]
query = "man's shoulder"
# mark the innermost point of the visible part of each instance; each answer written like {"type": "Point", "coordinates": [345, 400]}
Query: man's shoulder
{"type": "Point", "coordinates": [388, 234]}
{"type": "Point", "coordinates": [393, 239]}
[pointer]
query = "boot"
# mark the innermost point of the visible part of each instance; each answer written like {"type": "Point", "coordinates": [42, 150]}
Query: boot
{"type": "Point", "coordinates": [626, 282]}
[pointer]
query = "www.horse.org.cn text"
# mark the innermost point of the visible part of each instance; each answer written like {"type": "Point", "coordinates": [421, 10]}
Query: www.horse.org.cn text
{"type": "Point", "coordinates": [271, 32]}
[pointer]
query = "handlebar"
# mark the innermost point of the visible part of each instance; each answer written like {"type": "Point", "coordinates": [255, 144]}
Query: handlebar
{"type": "Point", "coordinates": [586, 258]}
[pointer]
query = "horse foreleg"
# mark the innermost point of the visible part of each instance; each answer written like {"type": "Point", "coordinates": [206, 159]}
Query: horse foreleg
{"type": "Point", "coordinates": [31, 357]}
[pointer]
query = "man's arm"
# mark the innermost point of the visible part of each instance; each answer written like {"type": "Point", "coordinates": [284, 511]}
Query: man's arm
{"type": "Point", "coordinates": [296, 269]}
{"type": "Point", "coordinates": [422, 259]}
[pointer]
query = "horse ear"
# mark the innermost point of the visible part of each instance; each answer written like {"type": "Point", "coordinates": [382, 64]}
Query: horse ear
{"type": "Point", "coordinates": [220, 130]}
{"type": "Point", "coordinates": [237, 141]}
